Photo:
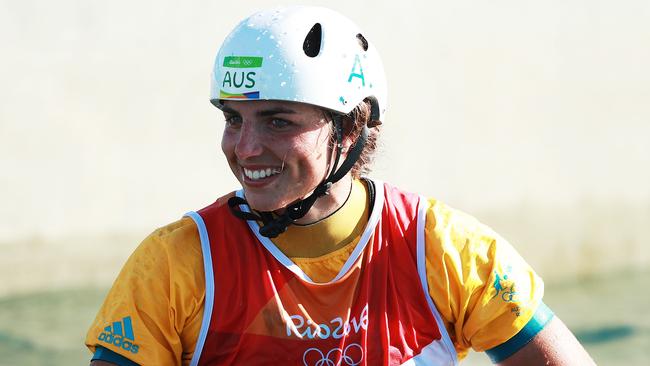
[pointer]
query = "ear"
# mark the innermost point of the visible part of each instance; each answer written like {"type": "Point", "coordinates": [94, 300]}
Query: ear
{"type": "Point", "coordinates": [348, 140]}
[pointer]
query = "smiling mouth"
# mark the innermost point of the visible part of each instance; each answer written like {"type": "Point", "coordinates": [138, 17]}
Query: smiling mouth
{"type": "Point", "coordinates": [257, 174]}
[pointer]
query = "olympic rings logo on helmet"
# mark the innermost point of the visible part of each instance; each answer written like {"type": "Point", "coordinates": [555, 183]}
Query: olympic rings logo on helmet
{"type": "Point", "coordinates": [283, 55]}
{"type": "Point", "coordinates": [345, 355]}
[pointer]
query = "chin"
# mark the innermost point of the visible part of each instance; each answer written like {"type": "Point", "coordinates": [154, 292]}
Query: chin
{"type": "Point", "coordinates": [263, 203]}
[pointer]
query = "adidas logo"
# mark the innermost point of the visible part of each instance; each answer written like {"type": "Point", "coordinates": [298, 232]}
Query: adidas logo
{"type": "Point", "coordinates": [120, 334]}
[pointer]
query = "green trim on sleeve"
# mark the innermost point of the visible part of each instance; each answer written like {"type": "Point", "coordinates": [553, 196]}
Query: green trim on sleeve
{"type": "Point", "coordinates": [539, 320]}
{"type": "Point", "coordinates": [105, 354]}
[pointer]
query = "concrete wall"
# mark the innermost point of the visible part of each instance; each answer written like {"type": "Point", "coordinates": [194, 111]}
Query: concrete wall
{"type": "Point", "coordinates": [534, 116]}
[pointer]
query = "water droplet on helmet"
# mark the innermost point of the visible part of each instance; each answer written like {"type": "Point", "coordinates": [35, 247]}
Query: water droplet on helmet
{"type": "Point", "coordinates": [272, 37]}
{"type": "Point", "coordinates": [271, 56]}
{"type": "Point", "coordinates": [258, 38]}
{"type": "Point", "coordinates": [283, 83]}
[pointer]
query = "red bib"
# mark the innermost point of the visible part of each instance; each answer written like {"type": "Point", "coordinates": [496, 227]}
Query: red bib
{"type": "Point", "coordinates": [261, 309]}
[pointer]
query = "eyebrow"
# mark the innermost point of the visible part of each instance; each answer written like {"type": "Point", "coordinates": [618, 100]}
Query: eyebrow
{"type": "Point", "coordinates": [277, 110]}
{"type": "Point", "coordinates": [262, 113]}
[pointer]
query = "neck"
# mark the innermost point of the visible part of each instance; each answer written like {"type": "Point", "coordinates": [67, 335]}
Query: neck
{"type": "Point", "coordinates": [331, 233]}
{"type": "Point", "coordinates": [328, 204]}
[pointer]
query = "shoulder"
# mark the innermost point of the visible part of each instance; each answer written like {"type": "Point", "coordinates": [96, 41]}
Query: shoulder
{"type": "Point", "coordinates": [392, 192]}
{"type": "Point", "coordinates": [444, 225]}
{"type": "Point", "coordinates": [455, 230]}
{"type": "Point", "coordinates": [158, 291]}
{"type": "Point", "coordinates": [177, 233]}
{"type": "Point", "coordinates": [477, 279]}
{"type": "Point", "coordinates": [443, 216]}
{"type": "Point", "coordinates": [169, 254]}
{"type": "Point", "coordinates": [174, 247]}
{"type": "Point", "coordinates": [465, 246]}
{"type": "Point", "coordinates": [180, 238]}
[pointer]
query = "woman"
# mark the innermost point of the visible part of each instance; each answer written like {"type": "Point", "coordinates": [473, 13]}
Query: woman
{"type": "Point", "coordinates": [309, 263]}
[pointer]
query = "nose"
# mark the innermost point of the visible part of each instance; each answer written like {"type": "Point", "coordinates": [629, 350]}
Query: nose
{"type": "Point", "coordinates": [249, 143]}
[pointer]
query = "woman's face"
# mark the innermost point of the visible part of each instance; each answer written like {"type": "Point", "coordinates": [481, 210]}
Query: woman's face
{"type": "Point", "coordinates": [277, 150]}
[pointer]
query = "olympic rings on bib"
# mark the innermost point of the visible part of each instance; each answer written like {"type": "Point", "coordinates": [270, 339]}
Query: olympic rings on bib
{"type": "Point", "coordinates": [346, 355]}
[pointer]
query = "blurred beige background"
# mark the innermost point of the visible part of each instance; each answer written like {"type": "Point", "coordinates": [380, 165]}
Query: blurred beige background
{"type": "Point", "coordinates": [533, 116]}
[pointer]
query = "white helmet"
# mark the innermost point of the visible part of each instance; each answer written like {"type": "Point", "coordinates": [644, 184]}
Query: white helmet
{"type": "Point", "coordinates": [303, 54]}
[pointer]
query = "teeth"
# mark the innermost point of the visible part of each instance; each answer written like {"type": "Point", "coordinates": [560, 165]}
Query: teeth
{"type": "Point", "coordinates": [260, 174]}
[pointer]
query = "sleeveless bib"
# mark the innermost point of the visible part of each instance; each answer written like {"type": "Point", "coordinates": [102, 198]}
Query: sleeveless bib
{"type": "Point", "coordinates": [262, 309]}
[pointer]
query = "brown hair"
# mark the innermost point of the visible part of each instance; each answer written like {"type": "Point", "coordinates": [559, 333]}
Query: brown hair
{"type": "Point", "coordinates": [352, 125]}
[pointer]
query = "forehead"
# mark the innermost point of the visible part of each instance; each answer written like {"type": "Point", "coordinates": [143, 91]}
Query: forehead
{"type": "Point", "coordinates": [277, 106]}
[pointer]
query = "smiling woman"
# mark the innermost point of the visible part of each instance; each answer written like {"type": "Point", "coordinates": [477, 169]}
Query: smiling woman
{"type": "Point", "coordinates": [310, 263]}
{"type": "Point", "coordinates": [290, 141]}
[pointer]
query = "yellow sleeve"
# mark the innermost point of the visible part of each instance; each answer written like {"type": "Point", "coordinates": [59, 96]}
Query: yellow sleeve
{"type": "Point", "coordinates": [152, 315]}
{"type": "Point", "coordinates": [479, 283]}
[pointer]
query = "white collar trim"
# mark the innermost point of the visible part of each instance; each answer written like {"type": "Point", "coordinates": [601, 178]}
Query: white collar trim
{"type": "Point", "coordinates": [356, 253]}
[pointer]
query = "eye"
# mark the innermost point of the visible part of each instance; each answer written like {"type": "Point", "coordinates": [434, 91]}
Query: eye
{"type": "Point", "coordinates": [233, 121]}
{"type": "Point", "coordinates": [280, 123]}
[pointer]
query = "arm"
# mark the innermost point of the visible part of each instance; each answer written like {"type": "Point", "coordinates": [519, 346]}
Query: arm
{"type": "Point", "coordinates": [469, 264]}
{"type": "Point", "coordinates": [553, 345]}
{"type": "Point", "coordinates": [156, 303]}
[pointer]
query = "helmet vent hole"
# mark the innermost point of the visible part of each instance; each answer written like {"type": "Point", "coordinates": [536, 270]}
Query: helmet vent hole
{"type": "Point", "coordinates": [312, 43]}
{"type": "Point", "coordinates": [362, 41]}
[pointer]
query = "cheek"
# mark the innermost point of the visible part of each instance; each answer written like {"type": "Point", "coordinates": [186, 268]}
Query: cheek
{"type": "Point", "coordinates": [228, 149]}
{"type": "Point", "coordinates": [313, 153]}
{"type": "Point", "coordinates": [318, 142]}
{"type": "Point", "coordinates": [322, 149]}
{"type": "Point", "coordinates": [227, 144]}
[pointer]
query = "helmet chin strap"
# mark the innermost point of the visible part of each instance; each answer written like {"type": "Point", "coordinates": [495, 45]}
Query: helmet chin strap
{"type": "Point", "coordinates": [273, 225]}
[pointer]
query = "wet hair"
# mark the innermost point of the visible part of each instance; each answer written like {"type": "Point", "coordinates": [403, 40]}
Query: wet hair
{"type": "Point", "coordinates": [353, 123]}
